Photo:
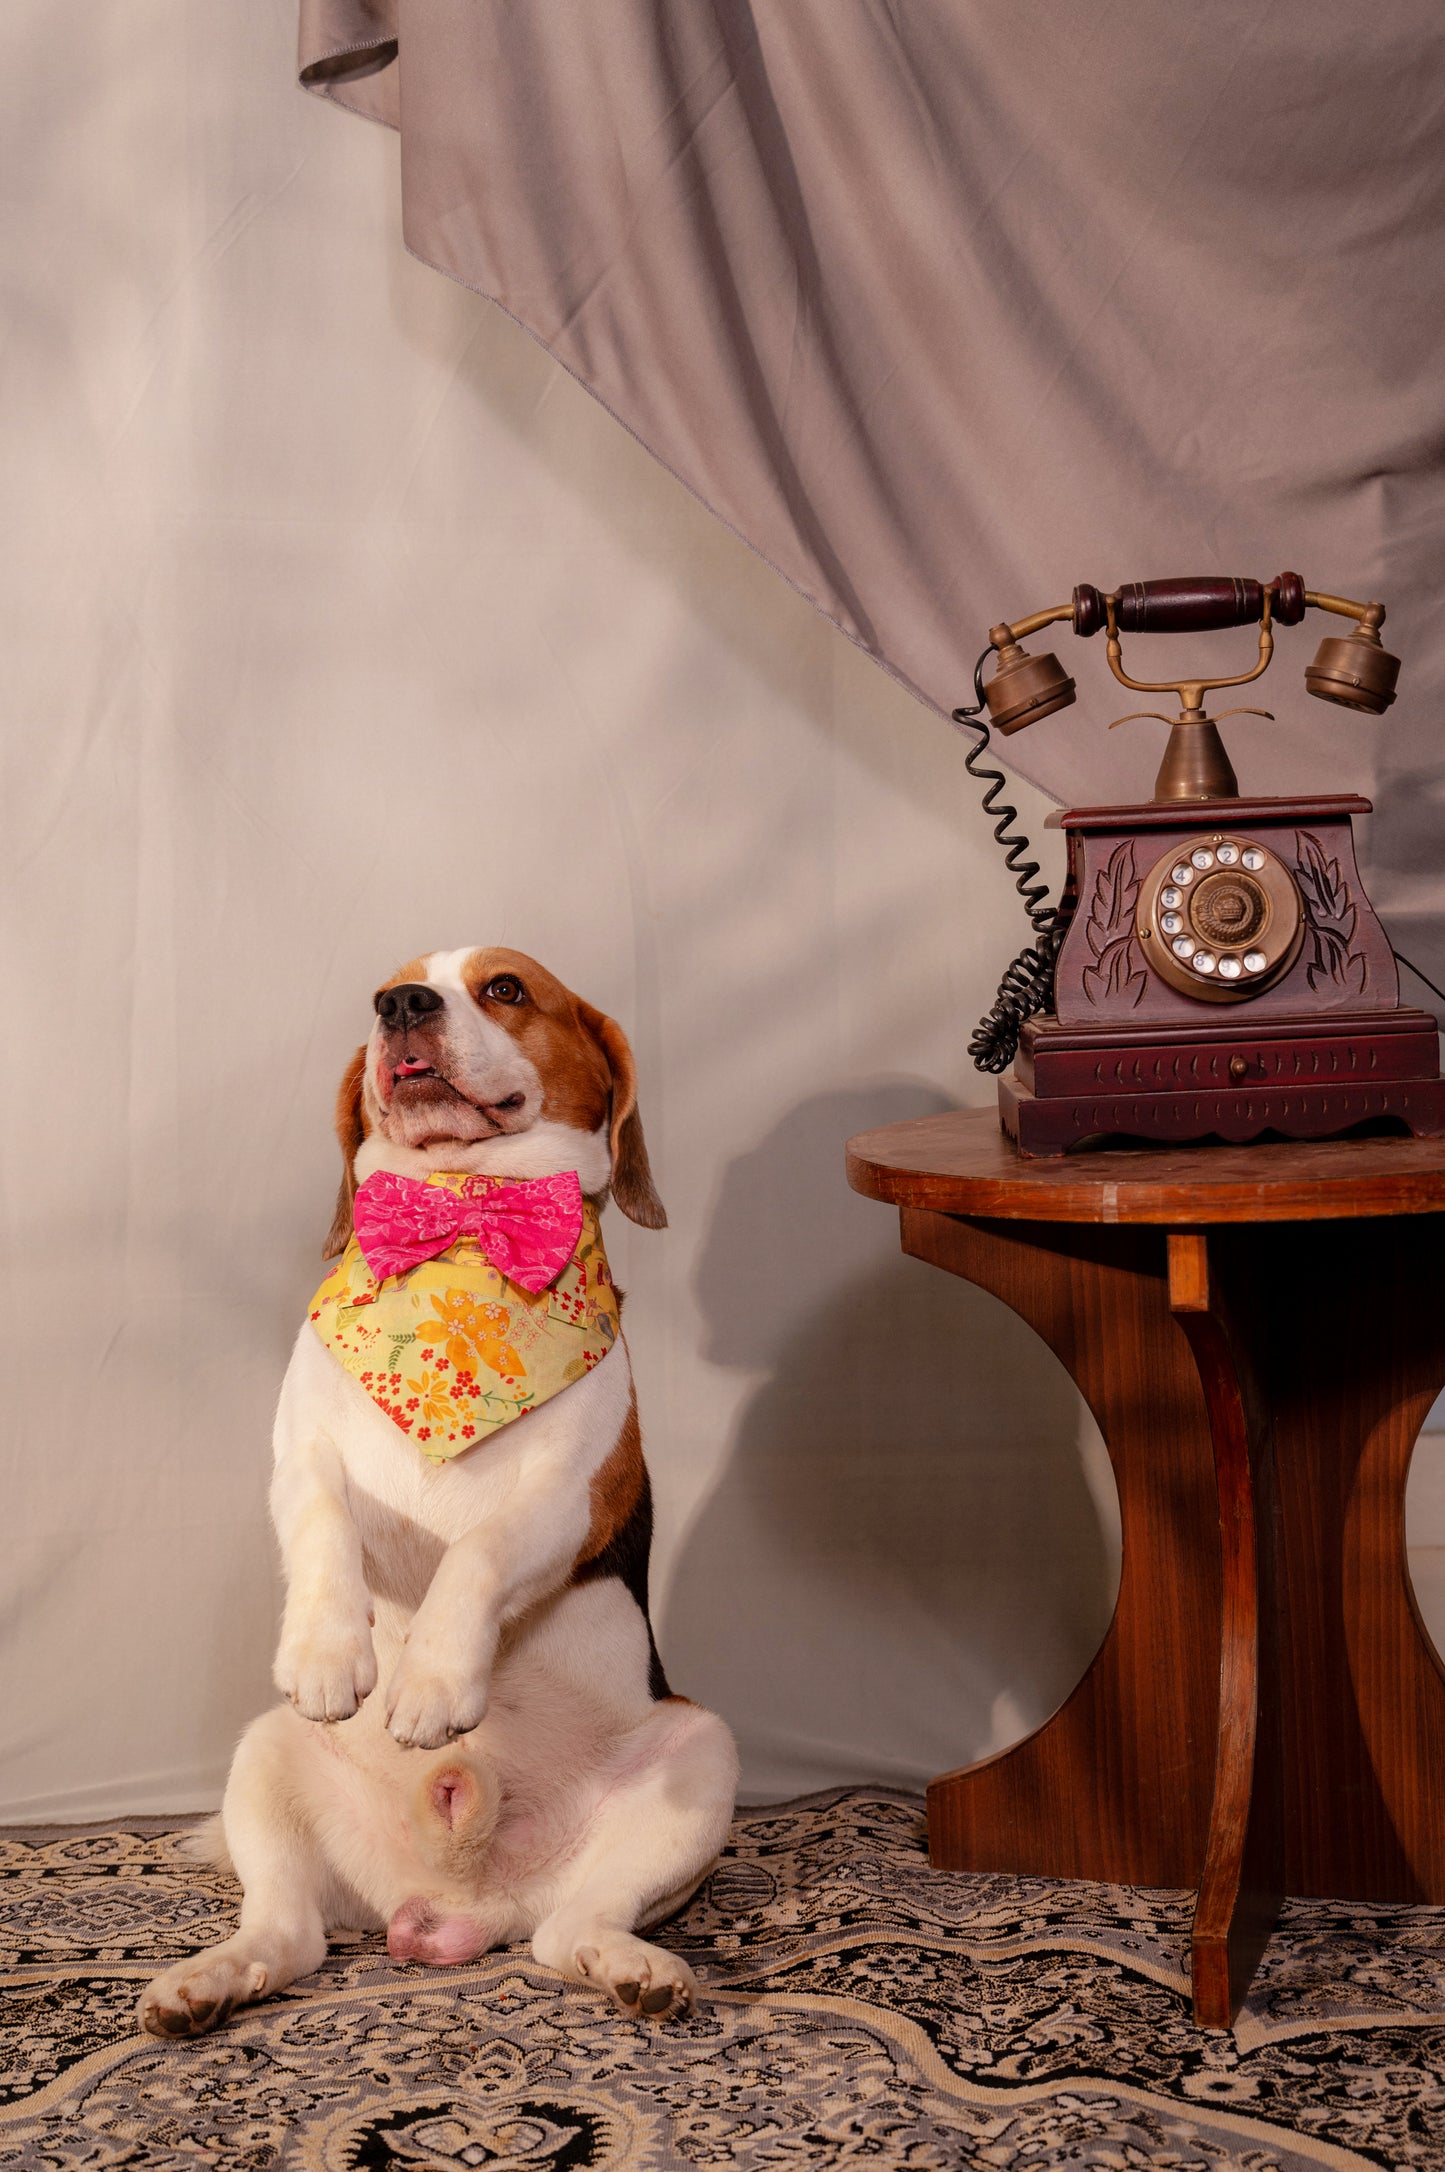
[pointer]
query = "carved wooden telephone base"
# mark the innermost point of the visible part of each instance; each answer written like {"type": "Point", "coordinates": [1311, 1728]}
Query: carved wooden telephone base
{"type": "Point", "coordinates": [1221, 972]}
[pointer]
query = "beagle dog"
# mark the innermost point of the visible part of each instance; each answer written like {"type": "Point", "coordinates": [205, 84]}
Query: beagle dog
{"type": "Point", "coordinates": [478, 1743]}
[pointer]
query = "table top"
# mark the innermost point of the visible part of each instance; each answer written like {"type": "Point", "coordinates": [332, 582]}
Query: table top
{"type": "Point", "coordinates": [963, 1163]}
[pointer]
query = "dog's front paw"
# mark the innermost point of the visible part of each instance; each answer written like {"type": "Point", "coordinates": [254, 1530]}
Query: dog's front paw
{"type": "Point", "coordinates": [327, 1670]}
{"type": "Point", "coordinates": [428, 1704]}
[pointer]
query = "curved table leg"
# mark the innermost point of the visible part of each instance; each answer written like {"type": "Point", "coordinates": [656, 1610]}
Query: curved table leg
{"type": "Point", "coordinates": [1117, 1784]}
{"type": "Point", "coordinates": [1242, 1881]}
{"type": "Point", "coordinates": [1347, 1333]}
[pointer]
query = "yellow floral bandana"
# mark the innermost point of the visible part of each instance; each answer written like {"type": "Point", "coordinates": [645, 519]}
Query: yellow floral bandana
{"type": "Point", "coordinates": [453, 1349]}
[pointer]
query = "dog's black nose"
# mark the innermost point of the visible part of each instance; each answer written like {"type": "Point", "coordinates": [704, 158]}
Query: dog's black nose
{"type": "Point", "coordinates": [408, 1004]}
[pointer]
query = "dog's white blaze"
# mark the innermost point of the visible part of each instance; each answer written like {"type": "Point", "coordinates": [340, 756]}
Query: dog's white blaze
{"type": "Point", "coordinates": [444, 967]}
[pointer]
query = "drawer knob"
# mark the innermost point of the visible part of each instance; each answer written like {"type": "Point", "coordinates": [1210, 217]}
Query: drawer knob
{"type": "Point", "coordinates": [1239, 1067]}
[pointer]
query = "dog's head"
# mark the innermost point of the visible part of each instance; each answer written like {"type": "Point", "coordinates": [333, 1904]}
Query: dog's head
{"type": "Point", "coordinates": [482, 1060]}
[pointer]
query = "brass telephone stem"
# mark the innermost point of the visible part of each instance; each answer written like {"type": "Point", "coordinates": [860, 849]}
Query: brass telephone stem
{"type": "Point", "coordinates": [1030, 625]}
{"type": "Point", "coordinates": [1195, 765]}
{"type": "Point", "coordinates": [1191, 692]}
{"type": "Point", "coordinates": [1369, 614]}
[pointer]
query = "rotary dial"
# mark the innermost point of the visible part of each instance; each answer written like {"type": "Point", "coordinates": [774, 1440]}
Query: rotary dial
{"type": "Point", "coordinates": [1219, 918]}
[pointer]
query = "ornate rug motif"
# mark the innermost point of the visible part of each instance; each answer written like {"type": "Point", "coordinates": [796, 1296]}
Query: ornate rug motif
{"type": "Point", "coordinates": [863, 2010]}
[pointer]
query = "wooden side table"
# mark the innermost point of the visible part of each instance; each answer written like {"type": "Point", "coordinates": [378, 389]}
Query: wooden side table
{"type": "Point", "coordinates": [1259, 1332]}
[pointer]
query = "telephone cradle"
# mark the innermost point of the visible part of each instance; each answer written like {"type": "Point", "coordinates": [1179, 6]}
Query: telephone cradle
{"type": "Point", "coordinates": [1214, 968]}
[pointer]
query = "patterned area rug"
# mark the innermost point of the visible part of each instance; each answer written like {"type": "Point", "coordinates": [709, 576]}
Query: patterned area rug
{"type": "Point", "coordinates": [863, 2010]}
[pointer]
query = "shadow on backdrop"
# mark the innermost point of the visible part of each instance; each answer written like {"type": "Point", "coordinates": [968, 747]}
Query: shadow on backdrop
{"type": "Point", "coordinates": [903, 1564]}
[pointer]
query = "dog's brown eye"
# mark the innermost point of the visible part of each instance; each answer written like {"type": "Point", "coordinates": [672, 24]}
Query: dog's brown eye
{"type": "Point", "coordinates": [504, 989]}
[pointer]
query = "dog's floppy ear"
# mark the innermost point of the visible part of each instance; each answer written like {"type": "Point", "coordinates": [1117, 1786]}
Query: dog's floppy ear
{"type": "Point", "coordinates": [632, 1185]}
{"type": "Point", "coordinates": [350, 1130]}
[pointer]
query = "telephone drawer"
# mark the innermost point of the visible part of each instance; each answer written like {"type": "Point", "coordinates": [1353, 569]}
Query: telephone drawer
{"type": "Point", "coordinates": [1057, 1062]}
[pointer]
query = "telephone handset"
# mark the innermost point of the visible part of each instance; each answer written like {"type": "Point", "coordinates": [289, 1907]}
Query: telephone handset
{"type": "Point", "coordinates": [1214, 967]}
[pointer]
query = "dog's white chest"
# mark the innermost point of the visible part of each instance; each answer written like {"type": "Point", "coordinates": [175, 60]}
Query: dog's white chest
{"type": "Point", "coordinates": [551, 1454]}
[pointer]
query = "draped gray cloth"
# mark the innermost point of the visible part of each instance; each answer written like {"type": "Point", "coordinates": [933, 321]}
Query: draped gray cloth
{"type": "Point", "coordinates": [945, 308]}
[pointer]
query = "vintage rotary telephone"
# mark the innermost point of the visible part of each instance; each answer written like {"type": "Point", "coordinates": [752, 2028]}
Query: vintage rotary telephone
{"type": "Point", "coordinates": [1214, 968]}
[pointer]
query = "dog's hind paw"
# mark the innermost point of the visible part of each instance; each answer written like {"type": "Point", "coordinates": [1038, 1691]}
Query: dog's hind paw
{"type": "Point", "coordinates": [198, 1995]}
{"type": "Point", "coordinates": [646, 1983]}
{"type": "Point", "coordinates": [327, 1673]}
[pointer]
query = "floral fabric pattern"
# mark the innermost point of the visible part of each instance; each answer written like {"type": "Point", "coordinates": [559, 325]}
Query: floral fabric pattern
{"type": "Point", "coordinates": [454, 1348]}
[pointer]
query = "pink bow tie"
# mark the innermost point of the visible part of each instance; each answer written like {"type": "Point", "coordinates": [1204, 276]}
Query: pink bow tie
{"type": "Point", "coordinates": [528, 1231]}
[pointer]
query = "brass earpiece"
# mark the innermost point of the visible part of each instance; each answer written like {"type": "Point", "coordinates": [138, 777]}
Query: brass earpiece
{"type": "Point", "coordinates": [1353, 669]}
{"type": "Point", "coordinates": [1023, 687]}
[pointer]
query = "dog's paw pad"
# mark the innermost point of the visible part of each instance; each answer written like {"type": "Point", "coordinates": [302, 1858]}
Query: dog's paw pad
{"type": "Point", "coordinates": [174, 2020]}
{"type": "Point", "coordinates": [198, 1996]}
{"type": "Point", "coordinates": [645, 1983]}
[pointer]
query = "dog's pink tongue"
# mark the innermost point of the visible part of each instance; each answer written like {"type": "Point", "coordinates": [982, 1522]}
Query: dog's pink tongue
{"type": "Point", "coordinates": [410, 1066]}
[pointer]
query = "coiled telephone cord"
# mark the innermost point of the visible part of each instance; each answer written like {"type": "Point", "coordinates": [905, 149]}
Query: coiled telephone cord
{"type": "Point", "coordinates": [1028, 984]}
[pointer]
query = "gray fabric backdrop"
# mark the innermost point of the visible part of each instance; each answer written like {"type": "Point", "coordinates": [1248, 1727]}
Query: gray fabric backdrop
{"type": "Point", "coordinates": [945, 308]}
{"type": "Point", "coordinates": [338, 621]}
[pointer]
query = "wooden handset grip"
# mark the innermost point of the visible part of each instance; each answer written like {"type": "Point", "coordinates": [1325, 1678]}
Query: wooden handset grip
{"type": "Point", "coordinates": [1197, 604]}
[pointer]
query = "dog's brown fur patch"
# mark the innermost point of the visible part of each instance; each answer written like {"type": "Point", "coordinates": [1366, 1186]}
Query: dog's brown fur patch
{"type": "Point", "coordinates": [351, 1129]}
{"type": "Point", "coordinates": [585, 1062]}
{"type": "Point", "coordinates": [616, 1489]}
{"type": "Point", "coordinates": [548, 1027]}
{"type": "Point", "coordinates": [414, 969]}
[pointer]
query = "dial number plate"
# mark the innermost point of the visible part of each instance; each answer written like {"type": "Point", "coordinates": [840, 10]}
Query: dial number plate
{"type": "Point", "coordinates": [1220, 918]}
